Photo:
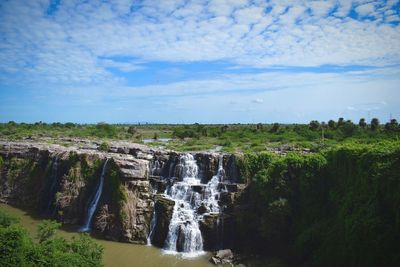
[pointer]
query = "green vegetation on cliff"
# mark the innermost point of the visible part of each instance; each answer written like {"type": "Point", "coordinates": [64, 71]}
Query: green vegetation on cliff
{"type": "Point", "coordinates": [24, 177]}
{"type": "Point", "coordinates": [118, 191]}
{"type": "Point", "coordinates": [17, 248]}
{"type": "Point", "coordinates": [19, 169]}
{"type": "Point", "coordinates": [339, 207]}
{"type": "Point", "coordinates": [84, 167]}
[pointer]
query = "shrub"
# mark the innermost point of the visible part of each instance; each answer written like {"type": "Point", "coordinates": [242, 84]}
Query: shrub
{"type": "Point", "coordinates": [18, 249]}
{"type": "Point", "coordinates": [104, 147]}
{"type": "Point", "coordinates": [46, 229]}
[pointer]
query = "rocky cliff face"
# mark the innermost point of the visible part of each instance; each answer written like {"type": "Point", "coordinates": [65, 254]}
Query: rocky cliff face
{"type": "Point", "coordinates": [59, 182]}
{"type": "Point", "coordinates": [30, 179]}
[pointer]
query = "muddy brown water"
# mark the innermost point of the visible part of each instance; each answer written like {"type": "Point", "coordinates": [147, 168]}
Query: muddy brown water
{"type": "Point", "coordinates": [116, 254]}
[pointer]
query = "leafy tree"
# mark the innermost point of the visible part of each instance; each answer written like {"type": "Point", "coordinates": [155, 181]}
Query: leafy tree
{"type": "Point", "coordinates": [18, 249]}
{"type": "Point", "coordinates": [331, 124]}
{"type": "Point", "coordinates": [334, 208]}
{"type": "Point", "coordinates": [393, 125]}
{"type": "Point", "coordinates": [374, 124]}
{"type": "Point", "coordinates": [362, 123]}
{"type": "Point", "coordinates": [224, 128]}
{"type": "Point", "coordinates": [340, 122]}
{"type": "Point", "coordinates": [204, 131]}
{"type": "Point", "coordinates": [14, 245]}
{"type": "Point", "coordinates": [314, 125]}
{"type": "Point", "coordinates": [46, 229]}
{"type": "Point", "coordinates": [70, 125]}
{"type": "Point", "coordinates": [90, 251]}
{"type": "Point", "coordinates": [348, 128]}
{"type": "Point", "coordinates": [6, 219]}
{"type": "Point", "coordinates": [275, 127]}
{"type": "Point", "coordinates": [103, 129]}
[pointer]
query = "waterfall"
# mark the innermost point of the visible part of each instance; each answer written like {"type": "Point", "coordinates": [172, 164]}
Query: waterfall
{"type": "Point", "coordinates": [153, 223]}
{"type": "Point", "coordinates": [171, 170]}
{"type": "Point", "coordinates": [184, 234]}
{"type": "Point", "coordinates": [221, 171]}
{"type": "Point", "coordinates": [93, 203]}
{"type": "Point", "coordinates": [156, 169]}
{"type": "Point", "coordinates": [53, 179]}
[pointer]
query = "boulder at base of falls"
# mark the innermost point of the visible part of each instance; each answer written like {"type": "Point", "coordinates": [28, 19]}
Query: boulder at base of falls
{"type": "Point", "coordinates": [164, 208]}
{"type": "Point", "coordinates": [223, 257]}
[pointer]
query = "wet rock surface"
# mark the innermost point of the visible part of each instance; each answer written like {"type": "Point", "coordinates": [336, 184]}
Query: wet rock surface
{"type": "Point", "coordinates": [163, 208]}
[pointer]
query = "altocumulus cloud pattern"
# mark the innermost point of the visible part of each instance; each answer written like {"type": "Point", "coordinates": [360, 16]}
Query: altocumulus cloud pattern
{"type": "Point", "coordinates": [246, 60]}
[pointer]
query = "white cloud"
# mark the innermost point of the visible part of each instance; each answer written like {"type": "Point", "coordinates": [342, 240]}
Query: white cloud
{"type": "Point", "coordinates": [122, 66]}
{"type": "Point", "coordinates": [66, 45]}
{"type": "Point", "coordinates": [258, 101]}
{"type": "Point", "coordinates": [365, 10]}
{"type": "Point", "coordinates": [321, 8]}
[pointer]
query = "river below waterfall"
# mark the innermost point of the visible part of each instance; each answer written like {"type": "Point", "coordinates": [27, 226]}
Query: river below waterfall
{"type": "Point", "coordinates": [115, 253]}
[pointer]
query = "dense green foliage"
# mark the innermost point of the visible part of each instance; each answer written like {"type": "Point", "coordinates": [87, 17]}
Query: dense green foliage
{"type": "Point", "coordinates": [231, 137]}
{"type": "Point", "coordinates": [46, 230]}
{"type": "Point", "coordinates": [339, 207]}
{"type": "Point", "coordinates": [118, 192]}
{"type": "Point", "coordinates": [18, 249]}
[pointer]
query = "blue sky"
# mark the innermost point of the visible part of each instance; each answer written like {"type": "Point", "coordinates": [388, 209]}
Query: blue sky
{"type": "Point", "coordinates": [199, 61]}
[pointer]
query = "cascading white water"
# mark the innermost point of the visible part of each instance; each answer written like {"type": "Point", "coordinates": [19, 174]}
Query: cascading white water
{"type": "Point", "coordinates": [184, 224]}
{"type": "Point", "coordinates": [184, 234]}
{"type": "Point", "coordinates": [221, 171]}
{"type": "Point", "coordinates": [95, 200]}
{"type": "Point", "coordinates": [53, 180]}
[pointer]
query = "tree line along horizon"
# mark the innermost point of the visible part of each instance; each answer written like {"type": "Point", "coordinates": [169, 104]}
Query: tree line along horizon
{"type": "Point", "coordinates": [274, 132]}
{"type": "Point", "coordinates": [331, 123]}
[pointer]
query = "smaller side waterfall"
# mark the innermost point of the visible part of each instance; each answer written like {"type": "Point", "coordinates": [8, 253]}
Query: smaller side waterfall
{"type": "Point", "coordinates": [153, 223]}
{"type": "Point", "coordinates": [95, 200]}
{"type": "Point", "coordinates": [53, 180]}
{"type": "Point", "coordinates": [221, 171]}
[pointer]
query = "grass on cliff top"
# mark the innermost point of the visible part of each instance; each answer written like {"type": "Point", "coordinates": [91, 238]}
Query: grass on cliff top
{"type": "Point", "coordinates": [196, 137]}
